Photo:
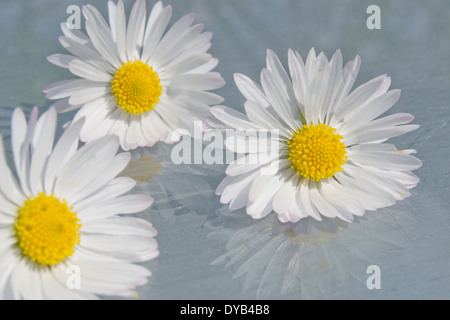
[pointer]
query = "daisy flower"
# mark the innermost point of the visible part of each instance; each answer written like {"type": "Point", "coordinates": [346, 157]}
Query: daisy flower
{"type": "Point", "coordinates": [138, 81]}
{"type": "Point", "coordinates": [61, 235]}
{"type": "Point", "coordinates": [331, 158]}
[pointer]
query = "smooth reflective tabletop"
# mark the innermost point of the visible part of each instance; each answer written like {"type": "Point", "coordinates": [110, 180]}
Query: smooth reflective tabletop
{"type": "Point", "coordinates": [207, 252]}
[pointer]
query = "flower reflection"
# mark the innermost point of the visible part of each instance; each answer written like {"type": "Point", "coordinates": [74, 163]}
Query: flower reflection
{"type": "Point", "coordinates": [177, 189]}
{"type": "Point", "coordinates": [308, 259]}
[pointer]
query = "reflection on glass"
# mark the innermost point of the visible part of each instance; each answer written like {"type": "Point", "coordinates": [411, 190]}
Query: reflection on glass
{"type": "Point", "coordinates": [177, 189]}
{"type": "Point", "coordinates": [306, 260]}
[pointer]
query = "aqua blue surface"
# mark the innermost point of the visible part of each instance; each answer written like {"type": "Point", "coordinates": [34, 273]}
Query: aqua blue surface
{"type": "Point", "coordinates": [409, 241]}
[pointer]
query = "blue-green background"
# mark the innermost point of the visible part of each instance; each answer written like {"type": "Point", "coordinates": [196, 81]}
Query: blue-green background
{"type": "Point", "coordinates": [409, 241]}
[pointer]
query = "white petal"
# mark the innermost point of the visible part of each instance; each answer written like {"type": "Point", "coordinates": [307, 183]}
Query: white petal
{"type": "Point", "coordinates": [32, 287]}
{"type": "Point", "coordinates": [250, 89]}
{"type": "Point", "coordinates": [87, 53]}
{"type": "Point", "coordinates": [233, 118]}
{"type": "Point", "coordinates": [88, 94]}
{"type": "Point", "coordinates": [375, 191]}
{"type": "Point", "coordinates": [250, 142]}
{"type": "Point", "coordinates": [135, 30]}
{"type": "Point", "coordinates": [76, 35]}
{"type": "Point", "coordinates": [200, 44]}
{"type": "Point", "coordinates": [118, 126]}
{"type": "Point", "coordinates": [276, 92]}
{"type": "Point", "coordinates": [406, 178]}
{"type": "Point", "coordinates": [204, 81]}
{"type": "Point", "coordinates": [322, 205]}
{"type": "Point", "coordinates": [21, 135]}
{"type": "Point", "coordinates": [99, 118]}
{"type": "Point", "coordinates": [61, 153]}
{"type": "Point", "coordinates": [275, 66]}
{"type": "Point", "coordinates": [112, 13]}
{"type": "Point", "coordinates": [8, 238]}
{"type": "Point", "coordinates": [241, 199]}
{"type": "Point", "coordinates": [248, 163]}
{"type": "Point", "coordinates": [66, 88]}
{"type": "Point", "coordinates": [108, 278]}
{"type": "Point", "coordinates": [190, 111]}
{"type": "Point", "coordinates": [90, 154]}
{"type": "Point", "coordinates": [385, 180]}
{"type": "Point", "coordinates": [388, 121]}
{"type": "Point", "coordinates": [334, 81]}
{"type": "Point", "coordinates": [171, 119]}
{"type": "Point", "coordinates": [297, 210]}
{"type": "Point", "coordinates": [186, 64]}
{"type": "Point", "coordinates": [87, 183]}
{"type": "Point", "coordinates": [122, 205]}
{"type": "Point", "coordinates": [349, 74]}
{"type": "Point", "coordinates": [317, 90]}
{"type": "Point", "coordinates": [343, 198]}
{"type": "Point", "coordinates": [113, 189]}
{"type": "Point", "coordinates": [120, 226]}
{"type": "Point", "coordinates": [154, 32]}
{"type": "Point", "coordinates": [231, 187]}
{"type": "Point", "coordinates": [134, 136]}
{"type": "Point", "coordinates": [386, 160]}
{"type": "Point", "coordinates": [55, 287]}
{"type": "Point", "coordinates": [377, 107]}
{"type": "Point", "coordinates": [61, 60]}
{"type": "Point", "coordinates": [7, 265]}
{"type": "Point", "coordinates": [8, 213]}
{"type": "Point", "coordinates": [164, 54]}
{"type": "Point", "coordinates": [310, 60]}
{"type": "Point", "coordinates": [128, 247]}
{"type": "Point", "coordinates": [100, 35]}
{"type": "Point", "coordinates": [299, 80]}
{"type": "Point", "coordinates": [367, 198]}
{"type": "Point", "coordinates": [23, 283]}
{"type": "Point", "coordinates": [205, 97]}
{"type": "Point", "coordinates": [310, 209]}
{"type": "Point", "coordinates": [156, 10]}
{"type": "Point", "coordinates": [8, 184]}
{"type": "Point", "coordinates": [378, 135]}
{"type": "Point", "coordinates": [360, 97]}
{"type": "Point", "coordinates": [372, 147]}
{"type": "Point", "coordinates": [63, 106]}
{"type": "Point", "coordinates": [116, 280]}
{"type": "Point", "coordinates": [262, 191]}
{"type": "Point", "coordinates": [285, 196]}
{"type": "Point", "coordinates": [173, 33]}
{"type": "Point", "coordinates": [120, 31]}
{"type": "Point", "coordinates": [87, 71]}
{"type": "Point", "coordinates": [42, 145]}
{"type": "Point", "coordinates": [154, 128]}
{"type": "Point", "coordinates": [206, 67]}
{"type": "Point", "coordinates": [263, 118]}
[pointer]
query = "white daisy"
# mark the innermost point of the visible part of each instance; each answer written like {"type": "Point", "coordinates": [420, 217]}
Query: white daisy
{"type": "Point", "coordinates": [331, 157]}
{"type": "Point", "coordinates": [61, 235]}
{"type": "Point", "coordinates": [138, 81]}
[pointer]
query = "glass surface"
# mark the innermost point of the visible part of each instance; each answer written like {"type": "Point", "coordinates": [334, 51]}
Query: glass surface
{"type": "Point", "coordinates": [208, 252]}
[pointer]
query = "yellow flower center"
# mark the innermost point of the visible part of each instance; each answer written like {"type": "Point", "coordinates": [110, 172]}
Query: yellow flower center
{"type": "Point", "coordinates": [47, 230]}
{"type": "Point", "coordinates": [136, 87]}
{"type": "Point", "coordinates": [317, 152]}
